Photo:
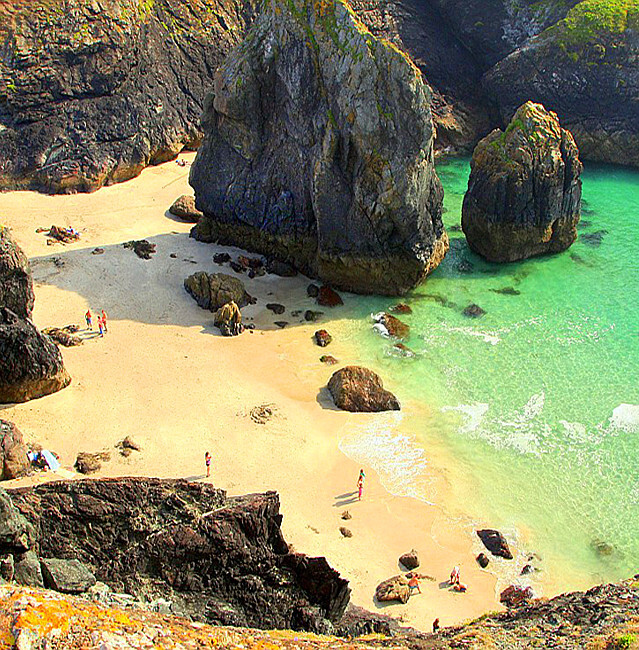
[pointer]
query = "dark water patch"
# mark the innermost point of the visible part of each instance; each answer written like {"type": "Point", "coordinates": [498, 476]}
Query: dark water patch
{"type": "Point", "coordinates": [593, 239]}
{"type": "Point", "coordinates": [507, 291]}
{"type": "Point", "coordinates": [436, 297]}
{"type": "Point", "coordinates": [456, 227]}
{"type": "Point", "coordinates": [578, 259]}
{"type": "Point", "coordinates": [584, 223]}
{"type": "Point", "coordinates": [465, 266]}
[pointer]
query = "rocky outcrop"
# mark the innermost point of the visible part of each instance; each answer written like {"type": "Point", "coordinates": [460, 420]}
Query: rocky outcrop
{"type": "Point", "coordinates": [214, 290]}
{"type": "Point", "coordinates": [31, 365]}
{"type": "Point", "coordinates": [16, 284]}
{"type": "Point", "coordinates": [495, 542]}
{"type": "Point", "coordinates": [91, 94]}
{"type": "Point", "coordinates": [360, 390]}
{"type": "Point", "coordinates": [66, 576]}
{"type": "Point", "coordinates": [318, 150]}
{"type": "Point", "coordinates": [14, 462]}
{"type": "Point", "coordinates": [516, 596]}
{"type": "Point", "coordinates": [184, 208]}
{"type": "Point", "coordinates": [216, 558]}
{"type": "Point", "coordinates": [524, 191]}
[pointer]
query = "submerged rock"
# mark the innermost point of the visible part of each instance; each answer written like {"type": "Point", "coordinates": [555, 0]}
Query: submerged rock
{"type": "Point", "coordinates": [393, 326]}
{"type": "Point", "coordinates": [474, 311]}
{"type": "Point", "coordinates": [16, 284]}
{"type": "Point", "coordinates": [524, 191]}
{"type": "Point", "coordinates": [318, 150]}
{"type": "Point", "coordinates": [214, 290]}
{"type": "Point", "coordinates": [358, 389]}
{"type": "Point", "coordinates": [30, 362]}
{"type": "Point", "coordinates": [14, 462]}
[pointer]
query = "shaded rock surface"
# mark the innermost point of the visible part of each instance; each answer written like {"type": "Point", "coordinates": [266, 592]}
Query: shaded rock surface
{"type": "Point", "coordinates": [228, 318]}
{"type": "Point", "coordinates": [327, 297]}
{"type": "Point", "coordinates": [30, 363]}
{"type": "Point", "coordinates": [16, 284]}
{"type": "Point", "coordinates": [516, 596]}
{"type": "Point", "coordinates": [214, 290]}
{"type": "Point", "coordinates": [395, 588]}
{"type": "Point", "coordinates": [358, 389]}
{"type": "Point", "coordinates": [495, 542]}
{"type": "Point", "coordinates": [14, 462]}
{"type": "Point", "coordinates": [66, 576]}
{"type": "Point", "coordinates": [99, 91]}
{"type": "Point", "coordinates": [220, 559]}
{"type": "Point", "coordinates": [410, 560]}
{"type": "Point", "coordinates": [28, 570]}
{"type": "Point", "coordinates": [184, 208]}
{"type": "Point", "coordinates": [318, 150]}
{"type": "Point", "coordinates": [524, 190]}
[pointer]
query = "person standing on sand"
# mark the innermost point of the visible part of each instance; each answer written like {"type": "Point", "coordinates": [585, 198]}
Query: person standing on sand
{"type": "Point", "coordinates": [100, 326]}
{"type": "Point", "coordinates": [360, 485]}
{"type": "Point", "coordinates": [207, 461]}
{"type": "Point", "coordinates": [104, 323]}
{"type": "Point", "coordinates": [413, 583]}
{"type": "Point", "coordinates": [454, 576]}
{"type": "Point", "coordinates": [88, 319]}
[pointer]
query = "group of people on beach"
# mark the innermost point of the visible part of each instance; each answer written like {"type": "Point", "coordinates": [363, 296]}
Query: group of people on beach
{"type": "Point", "coordinates": [102, 321]}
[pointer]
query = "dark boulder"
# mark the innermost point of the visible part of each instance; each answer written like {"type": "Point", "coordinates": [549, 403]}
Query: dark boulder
{"type": "Point", "coordinates": [482, 560]}
{"type": "Point", "coordinates": [66, 576]}
{"type": "Point", "coordinates": [524, 191]}
{"type": "Point", "coordinates": [221, 258]}
{"type": "Point", "coordinates": [311, 316]}
{"type": "Point", "coordinates": [276, 308]}
{"type": "Point", "coordinates": [312, 291]}
{"type": "Point", "coordinates": [16, 284]}
{"type": "Point", "coordinates": [395, 588]}
{"type": "Point", "coordinates": [14, 462]}
{"type": "Point", "coordinates": [330, 170]}
{"type": "Point", "coordinates": [395, 327]}
{"type": "Point", "coordinates": [17, 535]}
{"type": "Point", "coordinates": [358, 389]}
{"type": "Point", "coordinates": [30, 363]}
{"type": "Point", "coordinates": [143, 248]}
{"type": "Point", "coordinates": [184, 208]}
{"type": "Point", "coordinates": [495, 542]}
{"type": "Point", "coordinates": [410, 560]}
{"type": "Point", "coordinates": [473, 311]}
{"type": "Point", "coordinates": [322, 338]}
{"type": "Point", "coordinates": [214, 290]}
{"type": "Point", "coordinates": [328, 297]}
{"type": "Point", "coordinates": [277, 267]}
{"type": "Point", "coordinates": [216, 558]}
{"type": "Point", "coordinates": [516, 596]}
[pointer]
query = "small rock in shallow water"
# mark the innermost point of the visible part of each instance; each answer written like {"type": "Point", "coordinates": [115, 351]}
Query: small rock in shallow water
{"type": "Point", "coordinates": [474, 311]}
{"type": "Point", "coordinates": [281, 323]}
{"type": "Point", "coordinates": [280, 268]}
{"type": "Point", "coordinates": [312, 291]}
{"type": "Point", "coordinates": [276, 308]}
{"type": "Point", "coordinates": [311, 316]}
{"type": "Point", "coordinates": [327, 297]}
{"type": "Point", "coordinates": [593, 239]}
{"type": "Point", "coordinates": [221, 258]}
{"type": "Point", "coordinates": [495, 542]}
{"type": "Point", "coordinates": [238, 268]}
{"type": "Point", "coordinates": [403, 350]}
{"type": "Point", "coordinates": [507, 291]}
{"type": "Point", "coordinates": [401, 308]}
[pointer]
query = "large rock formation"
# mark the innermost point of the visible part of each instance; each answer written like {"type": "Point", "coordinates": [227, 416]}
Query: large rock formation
{"type": "Point", "coordinates": [214, 290]}
{"type": "Point", "coordinates": [216, 558]}
{"type": "Point", "coordinates": [30, 362]}
{"type": "Point", "coordinates": [360, 390]}
{"type": "Point", "coordinates": [524, 191]}
{"type": "Point", "coordinates": [318, 150]}
{"type": "Point", "coordinates": [16, 285]}
{"type": "Point", "coordinates": [14, 462]}
{"type": "Point", "coordinates": [91, 93]}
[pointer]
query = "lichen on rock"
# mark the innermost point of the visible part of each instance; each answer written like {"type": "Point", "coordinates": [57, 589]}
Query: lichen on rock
{"type": "Point", "coordinates": [318, 150]}
{"type": "Point", "coordinates": [524, 190]}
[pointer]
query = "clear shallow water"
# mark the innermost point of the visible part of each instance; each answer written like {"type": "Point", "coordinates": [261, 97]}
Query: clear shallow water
{"type": "Point", "coordinates": [534, 407]}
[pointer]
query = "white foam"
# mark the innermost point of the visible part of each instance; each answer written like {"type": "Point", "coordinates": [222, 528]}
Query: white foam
{"type": "Point", "coordinates": [575, 431]}
{"type": "Point", "coordinates": [488, 337]}
{"type": "Point", "coordinates": [474, 414]}
{"type": "Point", "coordinates": [625, 418]}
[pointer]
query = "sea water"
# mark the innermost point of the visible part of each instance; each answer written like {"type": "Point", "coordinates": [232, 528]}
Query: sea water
{"type": "Point", "coordinates": [529, 414]}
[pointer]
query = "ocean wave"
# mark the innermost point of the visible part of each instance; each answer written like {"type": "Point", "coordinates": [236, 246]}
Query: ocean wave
{"type": "Point", "coordinates": [474, 414]}
{"type": "Point", "coordinates": [625, 418]}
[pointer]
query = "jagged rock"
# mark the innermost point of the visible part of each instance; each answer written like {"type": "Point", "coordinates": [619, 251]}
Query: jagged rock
{"type": "Point", "coordinates": [16, 284]}
{"type": "Point", "coordinates": [276, 267]}
{"type": "Point", "coordinates": [184, 208]}
{"type": "Point", "coordinates": [473, 311]}
{"type": "Point", "coordinates": [131, 80]}
{"type": "Point", "coordinates": [30, 363]}
{"type": "Point", "coordinates": [228, 318]}
{"type": "Point", "coordinates": [62, 235]}
{"type": "Point", "coordinates": [142, 248]}
{"type": "Point", "coordinates": [276, 308]}
{"type": "Point", "coordinates": [345, 532]}
{"type": "Point", "coordinates": [62, 337]}
{"type": "Point", "coordinates": [67, 576]}
{"type": "Point", "coordinates": [394, 327]}
{"type": "Point", "coordinates": [217, 558]}
{"type": "Point", "coordinates": [14, 462]}
{"type": "Point", "coordinates": [28, 571]}
{"type": "Point", "coordinates": [327, 297]}
{"type": "Point", "coordinates": [395, 588]}
{"type": "Point", "coordinates": [16, 533]}
{"type": "Point", "coordinates": [322, 338]}
{"type": "Point", "coordinates": [495, 542]}
{"type": "Point", "coordinates": [322, 155]}
{"type": "Point", "coordinates": [346, 515]}
{"type": "Point", "coordinates": [214, 290]}
{"type": "Point", "coordinates": [88, 463]}
{"type": "Point", "coordinates": [516, 596]}
{"type": "Point", "coordinates": [410, 560]}
{"type": "Point", "coordinates": [128, 444]}
{"type": "Point", "coordinates": [482, 560]}
{"type": "Point", "coordinates": [524, 191]}
{"type": "Point", "coordinates": [358, 389]}
{"type": "Point", "coordinates": [329, 360]}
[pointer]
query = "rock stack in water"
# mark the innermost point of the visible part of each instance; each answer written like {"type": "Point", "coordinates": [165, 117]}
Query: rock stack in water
{"type": "Point", "coordinates": [318, 150]}
{"type": "Point", "coordinates": [524, 191]}
{"type": "Point", "coordinates": [30, 363]}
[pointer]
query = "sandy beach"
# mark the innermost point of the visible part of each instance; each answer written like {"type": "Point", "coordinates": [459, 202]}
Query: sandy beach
{"type": "Point", "coordinates": [164, 376]}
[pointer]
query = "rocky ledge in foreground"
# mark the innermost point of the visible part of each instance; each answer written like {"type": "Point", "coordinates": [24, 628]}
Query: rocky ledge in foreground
{"type": "Point", "coordinates": [217, 559]}
{"type": "Point", "coordinates": [524, 190]}
{"type": "Point", "coordinates": [318, 150]}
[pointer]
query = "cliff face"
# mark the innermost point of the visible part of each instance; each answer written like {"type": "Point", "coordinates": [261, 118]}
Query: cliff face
{"type": "Point", "coordinates": [92, 92]}
{"type": "Point", "coordinates": [319, 151]}
{"type": "Point", "coordinates": [218, 559]}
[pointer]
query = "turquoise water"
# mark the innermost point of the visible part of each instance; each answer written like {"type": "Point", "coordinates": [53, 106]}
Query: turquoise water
{"type": "Point", "coordinates": [535, 405]}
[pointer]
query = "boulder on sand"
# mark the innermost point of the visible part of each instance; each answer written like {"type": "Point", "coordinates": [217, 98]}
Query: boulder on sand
{"type": "Point", "coordinates": [16, 284]}
{"type": "Point", "coordinates": [213, 290]}
{"type": "Point", "coordinates": [88, 463]}
{"type": "Point", "coordinates": [524, 191]}
{"type": "Point", "coordinates": [184, 208]}
{"type": "Point", "coordinates": [30, 362]}
{"type": "Point", "coordinates": [495, 542]}
{"type": "Point", "coordinates": [322, 338]}
{"type": "Point", "coordinates": [395, 588]}
{"type": "Point", "coordinates": [318, 150]}
{"type": "Point", "coordinates": [14, 462]}
{"type": "Point", "coordinates": [228, 319]}
{"type": "Point", "coordinates": [410, 560]}
{"type": "Point", "coordinates": [360, 390]}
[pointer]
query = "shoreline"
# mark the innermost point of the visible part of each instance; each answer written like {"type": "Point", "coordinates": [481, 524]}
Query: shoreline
{"type": "Point", "coordinates": [163, 376]}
